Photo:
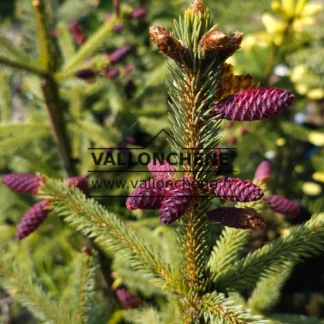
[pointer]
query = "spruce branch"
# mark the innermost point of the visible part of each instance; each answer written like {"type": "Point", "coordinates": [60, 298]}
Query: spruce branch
{"type": "Point", "coordinates": [5, 98]}
{"type": "Point", "coordinates": [48, 55]}
{"type": "Point", "coordinates": [105, 228]}
{"type": "Point", "coordinates": [301, 242]}
{"type": "Point", "coordinates": [85, 285]}
{"type": "Point", "coordinates": [220, 310]}
{"type": "Point", "coordinates": [14, 136]}
{"type": "Point", "coordinates": [268, 289]}
{"type": "Point", "coordinates": [227, 249]}
{"type": "Point", "coordinates": [89, 47]}
{"type": "Point", "coordinates": [65, 41]}
{"type": "Point", "coordinates": [191, 91]}
{"type": "Point", "coordinates": [9, 50]}
{"type": "Point", "coordinates": [144, 315]}
{"type": "Point", "coordinates": [22, 66]}
{"type": "Point", "coordinates": [21, 286]}
{"type": "Point", "coordinates": [198, 60]}
{"type": "Point", "coordinates": [136, 281]}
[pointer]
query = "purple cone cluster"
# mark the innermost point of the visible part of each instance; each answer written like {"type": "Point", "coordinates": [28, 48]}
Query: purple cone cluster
{"type": "Point", "coordinates": [36, 215]}
{"type": "Point", "coordinates": [127, 299]}
{"type": "Point", "coordinates": [116, 56]}
{"type": "Point", "coordinates": [237, 190]}
{"type": "Point", "coordinates": [89, 74]}
{"type": "Point", "coordinates": [172, 197]}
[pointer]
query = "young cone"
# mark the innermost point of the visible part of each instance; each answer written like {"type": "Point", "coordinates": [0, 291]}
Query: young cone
{"type": "Point", "coordinates": [254, 104]}
{"type": "Point", "coordinates": [119, 54]}
{"type": "Point", "coordinates": [23, 182]}
{"type": "Point", "coordinates": [111, 73]}
{"type": "Point", "coordinates": [263, 172]}
{"type": "Point", "coordinates": [78, 33]}
{"type": "Point", "coordinates": [160, 170]}
{"type": "Point", "coordinates": [80, 182]}
{"type": "Point", "coordinates": [127, 299]}
{"type": "Point", "coordinates": [283, 205]}
{"type": "Point", "coordinates": [235, 189]}
{"type": "Point", "coordinates": [32, 219]}
{"type": "Point", "coordinates": [177, 200]}
{"type": "Point", "coordinates": [147, 196]}
{"type": "Point", "coordinates": [242, 218]}
{"type": "Point", "coordinates": [138, 13]}
{"type": "Point", "coordinates": [86, 74]}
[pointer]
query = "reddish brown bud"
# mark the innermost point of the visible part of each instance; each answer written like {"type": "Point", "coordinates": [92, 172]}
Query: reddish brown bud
{"type": "Point", "coordinates": [127, 299]}
{"type": "Point", "coordinates": [111, 73]}
{"type": "Point", "coordinates": [263, 172]}
{"type": "Point", "coordinates": [242, 218]}
{"type": "Point", "coordinates": [80, 182]}
{"type": "Point", "coordinates": [232, 140]}
{"type": "Point", "coordinates": [86, 74]}
{"type": "Point", "coordinates": [218, 43]}
{"type": "Point", "coordinates": [197, 6]}
{"type": "Point", "coordinates": [167, 43]}
{"type": "Point", "coordinates": [138, 13]}
{"type": "Point", "coordinates": [86, 250]}
{"type": "Point", "coordinates": [244, 130]}
{"type": "Point", "coordinates": [78, 33]}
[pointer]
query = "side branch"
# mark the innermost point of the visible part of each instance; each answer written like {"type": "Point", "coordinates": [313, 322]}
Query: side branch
{"type": "Point", "coordinates": [23, 66]}
{"type": "Point", "coordinates": [56, 116]}
{"type": "Point", "coordinates": [110, 232]}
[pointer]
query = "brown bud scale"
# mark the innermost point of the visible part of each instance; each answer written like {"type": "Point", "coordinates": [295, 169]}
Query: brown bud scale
{"type": "Point", "coordinates": [167, 43]}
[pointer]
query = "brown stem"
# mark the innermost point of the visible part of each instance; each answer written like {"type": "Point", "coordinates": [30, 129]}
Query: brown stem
{"type": "Point", "coordinates": [56, 116]}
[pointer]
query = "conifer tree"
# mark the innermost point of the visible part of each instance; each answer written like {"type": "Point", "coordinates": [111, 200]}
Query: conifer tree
{"type": "Point", "coordinates": [193, 274]}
